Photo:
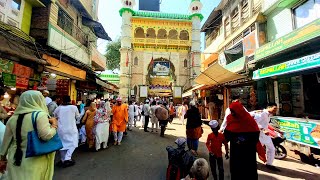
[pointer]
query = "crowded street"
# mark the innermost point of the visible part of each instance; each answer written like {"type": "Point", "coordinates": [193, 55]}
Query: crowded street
{"type": "Point", "coordinates": [143, 156]}
{"type": "Point", "coordinates": [159, 89]}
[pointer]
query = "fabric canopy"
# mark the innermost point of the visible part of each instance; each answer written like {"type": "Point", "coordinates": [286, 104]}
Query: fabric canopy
{"type": "Point", "coordinates": [97, 28]}
{"type": "Point", "coordinates": [189, 92]}
{"type": "Point", "coordinates": [216, 74]}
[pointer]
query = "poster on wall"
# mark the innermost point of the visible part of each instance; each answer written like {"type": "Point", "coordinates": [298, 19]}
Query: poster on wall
{"type": "Point", "coordinates": [249, 44]}
{"type": "Point", "coordinates": [144, 91]}
{"type": "Point", "coordinates": [302, 132]}
{"type": "Point", "coordinates": [177, 92]}
{"type": "Point", "coordinates": [161, 68]}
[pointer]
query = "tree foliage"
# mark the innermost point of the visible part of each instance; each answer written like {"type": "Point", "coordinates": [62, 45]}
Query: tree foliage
{"type": "Point", "coordinates": [113, 55]}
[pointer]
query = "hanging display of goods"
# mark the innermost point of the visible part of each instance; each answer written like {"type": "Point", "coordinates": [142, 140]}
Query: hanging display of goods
{"type": "Point", "coordinates": [22, 83]}
{"type": "Point", "coordinates": [21, 71]}
{"type": "Point", "coordinates": [6, 66]}
{"type": "Point", "coordinates": [9, 79]}
{"type": "Point", "coordinates": [62, 86]}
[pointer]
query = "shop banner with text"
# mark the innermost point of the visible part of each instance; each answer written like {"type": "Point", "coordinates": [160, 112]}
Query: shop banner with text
{"type": "Point", "coordinates": [9, 79]}
{"type": "Point", "coordinates": [299, 131]}
{"type": "Point", "coordinates": [21, 71]}
{"type": "Point", "coordinates": [304, 63]}
{"type": "Point", "coordinates": [22, 83]}
{"type": "Point", "coordinates": [294, 38]}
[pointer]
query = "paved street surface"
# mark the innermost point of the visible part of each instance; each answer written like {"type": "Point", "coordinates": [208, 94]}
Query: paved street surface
{"type": "Point", "coordinates": [142, 156]}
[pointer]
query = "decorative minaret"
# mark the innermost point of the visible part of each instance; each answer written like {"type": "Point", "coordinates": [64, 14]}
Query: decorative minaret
{"type": "Point", "coordinates": [126, 13]}
{"type": "Point", "coordinates": [195, 54]}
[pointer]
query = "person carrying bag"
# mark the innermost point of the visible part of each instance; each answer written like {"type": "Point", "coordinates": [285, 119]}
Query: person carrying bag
{"type": "Point", "coordinates": [38, 165]}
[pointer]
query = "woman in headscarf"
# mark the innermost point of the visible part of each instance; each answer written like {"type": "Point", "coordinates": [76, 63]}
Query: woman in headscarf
{"type": "Point", "coordinates": [102, 121]}
{"type": "Point", "coordinates": [15, 140]}
{"type": "Point", "coordinates": [194, 129]}
{"type": "Point", "coordinates": [67, 115]}
{"type": "Point", "coordinates": [88, 120]}
{"type": "Point", "coordinates": [243, 133]}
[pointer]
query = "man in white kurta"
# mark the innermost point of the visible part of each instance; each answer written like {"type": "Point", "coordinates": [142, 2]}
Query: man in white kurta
{"type": "Point", "coordinates": [263, 119]}
{"type": "Point", "coordinates": [67, 129]}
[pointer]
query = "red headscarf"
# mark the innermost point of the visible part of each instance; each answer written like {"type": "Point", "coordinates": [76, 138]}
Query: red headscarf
{"type": "Point", "coordinates": [240, 120]}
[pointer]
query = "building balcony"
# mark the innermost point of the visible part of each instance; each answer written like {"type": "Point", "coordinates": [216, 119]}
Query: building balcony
{"type": "Point", "coordinates": [99, 61]}
{"type": "Point", "coordinates": [165, 42]}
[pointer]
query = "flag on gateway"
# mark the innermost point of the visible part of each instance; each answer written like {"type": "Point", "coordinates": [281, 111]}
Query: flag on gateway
{"type": "Point", "coordinates": [127, 60]}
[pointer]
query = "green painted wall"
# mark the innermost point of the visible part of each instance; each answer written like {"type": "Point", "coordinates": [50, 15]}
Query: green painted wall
{"type": "Point", "coordinates": [26, 19]}
{"type": "Point", "coordinates": [279, 23]}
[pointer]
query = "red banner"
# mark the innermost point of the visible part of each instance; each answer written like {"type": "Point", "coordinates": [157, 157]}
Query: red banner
{"type": "Point", "coordinates": [22, 83]}
{"type": "Point", "coordinates": [22, 71]}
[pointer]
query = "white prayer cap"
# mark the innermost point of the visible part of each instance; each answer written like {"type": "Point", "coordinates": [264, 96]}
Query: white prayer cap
{"type": "Point", "coordinates": [192, 103]}
{"type": "Point", "coordinates": [180, 141]}
{"type": "Point", "coordinates": [46, 91]}
{"type": "Point", "coordinates": [147, 100]}
{"type": "Point", "coordinates": [213, 124]}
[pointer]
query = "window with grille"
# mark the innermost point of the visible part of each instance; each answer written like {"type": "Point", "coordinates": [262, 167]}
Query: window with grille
{"type": "Point", "coordinates": [136, 61]}
{"type": "Point", "coordinates": [185, 63]}
{"type": "Point", "coordinates": [245, 11]}
{"type": "Point", "coordinates": [235, 19]}
{"type": "Point", "coordinates": [227, 27]}
{"type": "Point", "coordinates": [65, 21]}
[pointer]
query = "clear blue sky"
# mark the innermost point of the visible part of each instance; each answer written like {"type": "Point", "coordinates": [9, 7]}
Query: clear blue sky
{"type": "Point", "coordinates": [111, 20]}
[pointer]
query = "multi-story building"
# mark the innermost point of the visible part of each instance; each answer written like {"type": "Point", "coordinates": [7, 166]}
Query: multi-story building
{"type": "Point", "coordinates": [20, 57]}
{"type": "Point", "coordinates": [288, 65]}
{"type": "Point", "coordinates": [68, 31]}
{"type": "Point", "coordinates": [233, 31]}
{"type": "Point", "coordinates": [160, 52]}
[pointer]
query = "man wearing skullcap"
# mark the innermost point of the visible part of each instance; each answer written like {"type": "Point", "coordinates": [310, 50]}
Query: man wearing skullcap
{"type": "Point", "coordinates": [214, 145]}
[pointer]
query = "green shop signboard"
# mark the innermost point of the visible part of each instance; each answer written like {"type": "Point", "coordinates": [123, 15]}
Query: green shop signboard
{"type": "Point", "coordinates": [294, 38]}
{"type": "Point", "coordinates": [304, 63]}
{"type": "Point", "coordinates": [299, 131]}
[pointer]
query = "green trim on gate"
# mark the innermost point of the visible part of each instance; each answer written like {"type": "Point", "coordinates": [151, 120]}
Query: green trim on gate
{"type": "Point", "coordinates": [160, 15]}
{"type": "Point", "coordinates": [200, 16]}
{"type": "Point", "coordinates": [122, 10]}
{"type": "Point", "coordinates": [296, 65]}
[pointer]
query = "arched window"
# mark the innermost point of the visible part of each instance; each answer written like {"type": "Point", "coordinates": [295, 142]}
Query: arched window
{"type": "Point", "coordinates": [135, 89]}
{"type": "Point", "coordinates": [162, 34]}
{"type": "Point", "coordinates": [151, 33]}
{"type": "Point", "coordinates": [185, 63]}
{"type": "Point", "coordinates": [173, 34]}
{"type": "Point", "coordinates": [136, 61]}
{"type": "Point", "coordinates": [184, 35]}
{"type": "Point", "coordinates": [139, 33]}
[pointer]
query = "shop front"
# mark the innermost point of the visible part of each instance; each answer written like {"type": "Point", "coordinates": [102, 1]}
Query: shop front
{"type": "Point", "coordinates": [290, 77]}
{"type": "Point", "coordinates": [20, 65]}
{"type": "Point", "coordinates": [61, 78]}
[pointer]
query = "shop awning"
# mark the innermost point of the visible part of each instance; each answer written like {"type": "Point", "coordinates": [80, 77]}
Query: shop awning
{"type": "Point", "coordinates": [296, 65]}
{"type": "Point", "coordinates": [189, 92]}
{"type": "Point", "coordinates": [97, 28]}
{"type": "Point", "coordinates": [64, 69]}
{"type": "Point", "coordinates": [216, 74]}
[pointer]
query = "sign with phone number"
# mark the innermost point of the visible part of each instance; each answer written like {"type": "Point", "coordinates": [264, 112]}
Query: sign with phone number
{"type": "Point", "coordinates": [302, 132]}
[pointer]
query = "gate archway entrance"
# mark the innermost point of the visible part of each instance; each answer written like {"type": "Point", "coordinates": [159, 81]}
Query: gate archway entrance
{"type": "Point", "coordinates": [161, 78]}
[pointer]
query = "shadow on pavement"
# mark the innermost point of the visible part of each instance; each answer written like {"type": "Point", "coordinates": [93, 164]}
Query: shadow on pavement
{"type": "Point", "coordinates": [290, 173]}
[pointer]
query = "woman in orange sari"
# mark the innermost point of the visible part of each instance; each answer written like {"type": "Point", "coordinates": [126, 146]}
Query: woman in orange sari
{"type": "Point", "coordinates": [88, 120]}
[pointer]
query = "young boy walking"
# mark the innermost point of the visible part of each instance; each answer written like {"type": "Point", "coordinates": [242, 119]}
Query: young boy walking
{"type": "Point", "coordinates": [214, 145]}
